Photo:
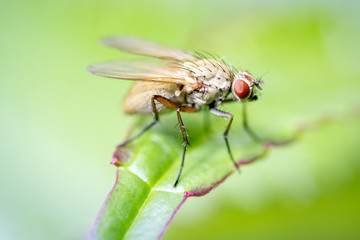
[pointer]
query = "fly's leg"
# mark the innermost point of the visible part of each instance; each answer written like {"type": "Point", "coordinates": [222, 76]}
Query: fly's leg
{"type": "Point", "coordinates": [170, 104]}
{"type": "Point", "coordinates": [185, 143]}
{"type": "Point", "coordinates": [220, 113]}
{"type": "Point", "coordinates": [251, 133]}
{"type": "Point", "coordinates": [246, 126]}
{"type": "Point", "coordinates": [126, 142]}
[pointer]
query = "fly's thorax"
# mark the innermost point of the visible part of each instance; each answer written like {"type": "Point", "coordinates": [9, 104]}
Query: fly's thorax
{"type": "Point", "coordinates": [214, 80]}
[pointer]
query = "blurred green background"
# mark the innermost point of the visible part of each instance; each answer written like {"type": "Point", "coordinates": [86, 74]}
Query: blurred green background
{"type": "Point", "coordinates": [59, 124]}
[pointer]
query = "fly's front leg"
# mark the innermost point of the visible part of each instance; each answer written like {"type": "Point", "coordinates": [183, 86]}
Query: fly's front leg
{"type": "Point", "coordinates": [170, 104]}
{"type": "Point", "coordinates": [155, 114]}
{"type": "Point", "coordinates": [245, 120]}
{"type": "Point", "coordinates": [220, 113]}
{"type": "Point", "coordinates": [246, 126]}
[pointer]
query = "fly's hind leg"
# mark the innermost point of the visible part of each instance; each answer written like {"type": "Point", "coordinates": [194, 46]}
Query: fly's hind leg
{"type": "Point", "coordinates": [155, 114]}
{"type": "Point", "coordinates": [170, 104]}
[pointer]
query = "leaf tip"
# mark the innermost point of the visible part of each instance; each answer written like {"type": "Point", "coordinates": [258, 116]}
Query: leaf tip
{"type": "Point", "coordinates": [120, 157]}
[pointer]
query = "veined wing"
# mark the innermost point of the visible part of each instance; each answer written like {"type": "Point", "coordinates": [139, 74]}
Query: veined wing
{"type": "Point", "coordinates": [142, 70]}
{"type": "Point", "coordinates": [146, 48]}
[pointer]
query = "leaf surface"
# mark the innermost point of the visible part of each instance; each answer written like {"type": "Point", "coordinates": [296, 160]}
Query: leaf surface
{"type": "Point", "coordinates": [143, 200]}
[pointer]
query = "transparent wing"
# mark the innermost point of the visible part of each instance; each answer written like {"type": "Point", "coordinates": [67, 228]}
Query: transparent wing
{"type": "Point", "coordinates": [142, 70]}
{"type": "Point", "coordinates": [146, 48]}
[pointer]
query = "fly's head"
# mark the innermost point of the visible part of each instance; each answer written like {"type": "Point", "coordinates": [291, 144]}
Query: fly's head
{"type": "Point", "coordinates": [243, 86]}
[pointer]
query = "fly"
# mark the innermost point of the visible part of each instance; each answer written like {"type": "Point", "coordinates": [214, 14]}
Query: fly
{"type": "Point", "coordinates": [177, 80]}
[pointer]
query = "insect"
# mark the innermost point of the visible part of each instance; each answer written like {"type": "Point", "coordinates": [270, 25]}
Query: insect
{"type": "Point", "coordinates": [177, 80]}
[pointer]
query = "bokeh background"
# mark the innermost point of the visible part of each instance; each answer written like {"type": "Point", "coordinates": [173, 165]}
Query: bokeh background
{"type": "Point", "coordinates": [59, 124]}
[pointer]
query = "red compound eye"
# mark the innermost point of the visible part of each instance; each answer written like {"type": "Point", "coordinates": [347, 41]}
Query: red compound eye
{"type": "Point", "coordinates": [241, 89]}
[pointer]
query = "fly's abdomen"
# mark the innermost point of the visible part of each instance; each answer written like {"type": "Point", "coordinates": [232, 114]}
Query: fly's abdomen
{"type": "Point", "coordinates": [138, 99]}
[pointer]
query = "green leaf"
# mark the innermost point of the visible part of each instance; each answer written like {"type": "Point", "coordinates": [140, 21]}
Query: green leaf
{"type": "Point", "coordinates": [144, 200]}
